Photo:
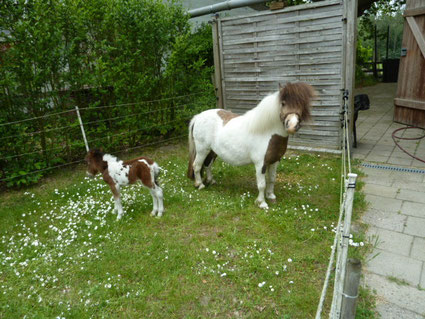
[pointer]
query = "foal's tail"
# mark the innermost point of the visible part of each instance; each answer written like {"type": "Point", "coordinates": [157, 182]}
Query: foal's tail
{"type": "Point", "coordinates": [192, 151]}
{"type": "Point", "coordinates": [156, 172]}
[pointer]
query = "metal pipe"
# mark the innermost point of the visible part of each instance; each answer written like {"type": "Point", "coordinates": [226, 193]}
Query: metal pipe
{"type": "Point", "coordinates": [226, 5]}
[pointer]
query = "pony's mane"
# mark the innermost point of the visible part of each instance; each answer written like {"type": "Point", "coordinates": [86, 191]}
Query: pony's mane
{"type": "Point", "coordinates": [297, 97]}
{"type": "Point", "coordinates": [265, 115]}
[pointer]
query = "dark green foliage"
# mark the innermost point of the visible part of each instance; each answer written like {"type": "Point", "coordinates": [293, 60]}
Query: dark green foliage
{"type": "Point", "coordinates": [384, 15]}
{"type": "Point", "coordinates": [59, 54]}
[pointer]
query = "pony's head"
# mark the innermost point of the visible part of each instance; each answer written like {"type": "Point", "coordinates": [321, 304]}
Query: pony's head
{"type": "Point", "coordinates": [295, 105]}
{"type": "Point", "coordinates": [95, 163]}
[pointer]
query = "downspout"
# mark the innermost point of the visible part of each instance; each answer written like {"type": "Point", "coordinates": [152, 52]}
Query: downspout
{"type": "Point", "coordinates": [226, 5]}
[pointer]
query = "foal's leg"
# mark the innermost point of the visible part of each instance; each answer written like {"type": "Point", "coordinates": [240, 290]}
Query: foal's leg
{"type": "Point", "coordinates": [155, 201]}
{"type": "Point", "coordinates": [160, 200]}
{"type": "Point", "coordinates": [261, 184]}
{"type": "Point", "coordinates": [271, 178]}
{"type": "Point", "coordinates": [118, 206]}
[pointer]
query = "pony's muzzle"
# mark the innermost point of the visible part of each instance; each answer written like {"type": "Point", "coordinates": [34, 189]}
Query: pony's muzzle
{"type": "Point", "coordinates": [292, 123]}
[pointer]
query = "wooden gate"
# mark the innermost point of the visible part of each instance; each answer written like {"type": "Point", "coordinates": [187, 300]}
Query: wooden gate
{"type": "Point", "coordinates": [254, 53]}
{"type": "Point", "coordinates": [410, 99]}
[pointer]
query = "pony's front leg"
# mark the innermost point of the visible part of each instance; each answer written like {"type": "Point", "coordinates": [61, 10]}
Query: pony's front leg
{"type": "Point", "coordinates": [271, 178]}
{"type": "Point", "coordinates": [261, 184]}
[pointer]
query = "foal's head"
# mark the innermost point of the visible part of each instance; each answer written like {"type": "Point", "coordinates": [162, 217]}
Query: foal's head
{"type": "Point", "coordinates": [295, 99]}
{"type": "Point", "coordinates": [94, 159]}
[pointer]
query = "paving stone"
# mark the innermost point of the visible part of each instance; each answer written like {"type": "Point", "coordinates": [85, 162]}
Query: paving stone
{"type": "Point", "coordinates": [403, 161]}
{"type": "Point", "coordinates": [415, 226]}
{"type": "Point", "coordinates": [422, 283]}
{"type": "Point", "coordinates": [406, 176]}
{"type": "Point", "coordinates": [380, 190]}
{"type": "Point", "coordinates": [376, 158]}
{"type": "Point", "coordinates": [374, 179]}
{"type": "Point", "coordinates": [391, 241]}
{"type": "Point", "coordinates": [389, 310]}
{"type": "Point", "coordinates": [418, 251]}
{"type": "Point", "coordinates": [383, 203]}
{"type": "Point", "coordinates": [414, 186]}
{"type": "Point", "coordinates": [413, 209]}
{"type": "Point", "coordinates": [411, 195]}
{"type": "Point", "coordinates": [389, 264]}
{"type": "Point", "coordinates": [385, 220]}
{"type": "Point", "coordinates": [359, 156]}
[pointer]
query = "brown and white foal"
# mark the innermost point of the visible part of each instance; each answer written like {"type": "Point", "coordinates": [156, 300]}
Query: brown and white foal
{"type": "Point", "coordinates": [117, 173]}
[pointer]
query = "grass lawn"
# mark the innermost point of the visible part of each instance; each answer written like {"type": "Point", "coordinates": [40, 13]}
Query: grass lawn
{"type": "Point", "coordinates": [213, 254]}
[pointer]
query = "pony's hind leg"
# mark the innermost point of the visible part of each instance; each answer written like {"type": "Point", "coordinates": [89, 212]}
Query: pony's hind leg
{"type": "Point", "coordinates": [198, 163]}
{"type": "Point", "coordinates": [261, 184]}
{"type": "Point", "coordinates": [271, 178]}
{"type": "Point", "coordinates": [208, 163]}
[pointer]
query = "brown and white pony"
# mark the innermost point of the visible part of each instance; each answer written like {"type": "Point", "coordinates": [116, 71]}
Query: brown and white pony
{"type": "Point", "coordinates": [260, 136]}
{"type": "Point", "coordinates": [117, 173]}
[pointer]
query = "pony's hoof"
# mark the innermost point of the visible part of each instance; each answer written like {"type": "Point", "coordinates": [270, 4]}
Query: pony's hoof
{"type": "Point", "coordinates": [262, 205]}
{"type": "Point", "coordinates": [211, 182]}
{"type": "Point", "coordinates": [159, 215]}
{"type": "Point", "coordinates": [272, 199]}
{"type": "Point", "coordinates": [200, 186]}
{"type": "Point", "coordinates": [153, 213]}
{"type": "Point", "coordinates": [119, 217]}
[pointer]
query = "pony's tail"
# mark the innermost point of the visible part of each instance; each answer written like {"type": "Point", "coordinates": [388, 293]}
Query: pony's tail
{"type": "Point", "coordinates": [192, 151]}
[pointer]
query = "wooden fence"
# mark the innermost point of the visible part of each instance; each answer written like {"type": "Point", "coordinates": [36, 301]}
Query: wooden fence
{"type": "Point", "coordinates": [308, 43]}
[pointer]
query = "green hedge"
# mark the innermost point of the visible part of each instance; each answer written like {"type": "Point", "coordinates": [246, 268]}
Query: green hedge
{"type": "Point", "coordinates": [59, 54]}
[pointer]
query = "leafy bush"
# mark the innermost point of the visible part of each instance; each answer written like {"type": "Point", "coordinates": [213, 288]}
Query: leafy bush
{"type": "Point", "coordinates": [59, 54]}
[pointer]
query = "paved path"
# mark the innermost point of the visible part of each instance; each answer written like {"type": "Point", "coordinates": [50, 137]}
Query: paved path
{"type": "Point", "coordinates": [396, 212]}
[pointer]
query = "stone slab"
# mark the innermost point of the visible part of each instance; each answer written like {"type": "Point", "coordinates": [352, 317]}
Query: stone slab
{"type": "Point", "coordinates": [411, 195]}
{"type": "Point", "coordinates": [402, 161]}
{"type": "Point", "coordinates": [418, 251]}
{"type": "Point", "coordinates": [410, 185]}
{"type": "Point", "coordinates": [391, 241]}
{"type": "Point", "coordinates": [380, 190]}
{"type": "Point", "coordinates": [415, 226]}
{"type": "Point", "coordinates": [422, 283]}
{"type": "Point", "coordinates": [413, 209]}
{"type": "Point", "coordinates": [389, 310]}
{"type": "Point", "coordinates": [389, 221]}
{"type": "Point", "coordinates": [405, 297]}
{"type": "Point", "coordinates": [389, 264]}
{"type": "Point", "coordinates": [384, 204]}
{"type": "Point", "coordinates": [376, 158]}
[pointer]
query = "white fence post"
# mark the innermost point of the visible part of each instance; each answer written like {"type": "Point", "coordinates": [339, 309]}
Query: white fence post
{"type": "Point", "coordinates": [341, 267]}
{"type": "Point", "coordinates": [82, 128]}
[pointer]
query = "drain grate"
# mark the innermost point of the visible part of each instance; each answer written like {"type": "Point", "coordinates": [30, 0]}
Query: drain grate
{"type": "Point", "coordinates": [395, 168]}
